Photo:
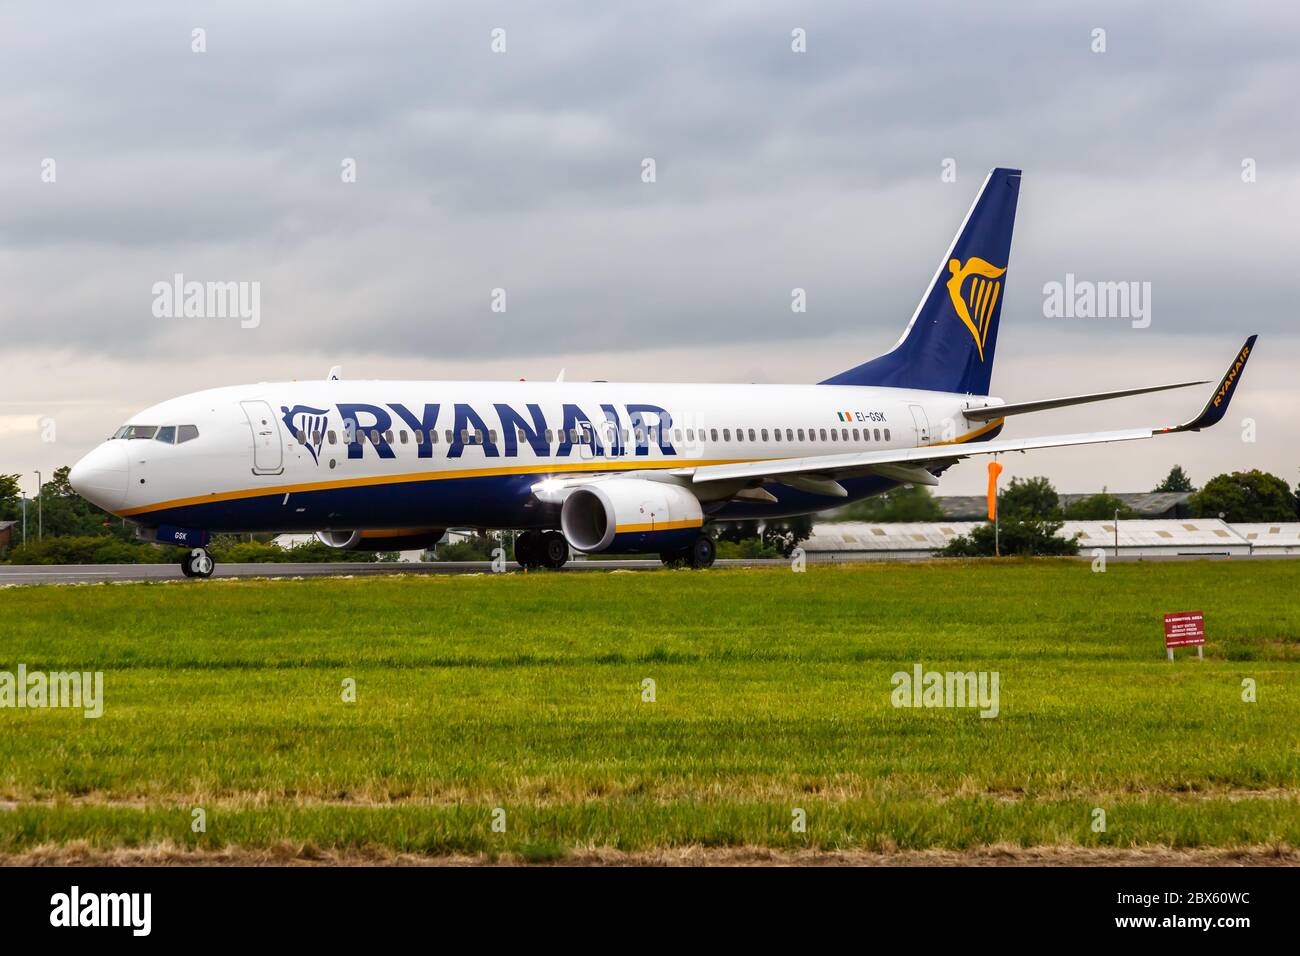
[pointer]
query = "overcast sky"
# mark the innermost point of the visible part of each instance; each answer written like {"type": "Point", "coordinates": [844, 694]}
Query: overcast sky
{"type": "Point", "coordinates": [522, 170]}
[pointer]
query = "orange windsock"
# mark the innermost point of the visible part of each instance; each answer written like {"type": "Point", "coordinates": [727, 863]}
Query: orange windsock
{"type": "Point", "coordinates": [995, 469]}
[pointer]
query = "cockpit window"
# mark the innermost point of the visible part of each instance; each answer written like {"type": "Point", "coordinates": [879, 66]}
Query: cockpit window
{"type": "Point", "coordinates": [185, 433]}
{"type": "Point", "coordinates": [166, 435]}
{"type": "Point", "coordinates": [141, 431]}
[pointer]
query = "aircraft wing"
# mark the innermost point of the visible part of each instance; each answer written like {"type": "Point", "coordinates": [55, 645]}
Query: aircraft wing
{"type": "Point", "coordinates": [987, 413]}
{"type": "Point", "coordinates": [820, 473]}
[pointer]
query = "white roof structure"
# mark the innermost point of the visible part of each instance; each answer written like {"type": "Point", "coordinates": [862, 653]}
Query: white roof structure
{"type": "Point", "coordinates": [1271, 537]}
{"type": "Point", "coordinates": [888, 536]}
{"type": "Point", "coordinates": [1137, 536]}
{"type": "Point", "coordinates": [1165, 535]}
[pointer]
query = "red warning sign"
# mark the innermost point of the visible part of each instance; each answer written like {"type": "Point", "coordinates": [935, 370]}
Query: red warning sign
{"type": "Point", "coordinates": [1184, 628]}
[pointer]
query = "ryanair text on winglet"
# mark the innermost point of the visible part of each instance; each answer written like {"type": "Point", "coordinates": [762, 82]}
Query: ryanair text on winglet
{"type": "Point", "coordinates": [1226, 385]}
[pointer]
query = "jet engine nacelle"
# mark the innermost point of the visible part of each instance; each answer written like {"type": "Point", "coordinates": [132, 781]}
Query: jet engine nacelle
{"type": "Point", "coordinates": [626, 515]}
{"type": "Point", "coordinates": [406, 539]}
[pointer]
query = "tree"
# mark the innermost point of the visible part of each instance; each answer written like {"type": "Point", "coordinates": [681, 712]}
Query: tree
{"type": "Point", "coordinates": [906, 503]}
{"type": "Point", "coordinates": [64, 513]}
{"type": "Point", "coordinates": [1176, 480]}
{"type": "Point", "coordinates": [11, 507]}
{"type": "Point", "coordinates": [1029, 498]}
{"type": "Point", "coordinates": [1020, 537]}
{"type": "Point", "coordinates": [1245, 496]}
{"type": "Point", "coordinates": [1098, 506]}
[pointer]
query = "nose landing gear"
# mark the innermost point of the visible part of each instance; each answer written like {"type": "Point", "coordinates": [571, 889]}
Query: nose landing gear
{"type": "Point", "coordinates": [198, 564]}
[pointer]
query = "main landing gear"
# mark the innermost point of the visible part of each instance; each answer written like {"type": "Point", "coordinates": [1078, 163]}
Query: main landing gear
{"type": "Point", "coordinates": [541, 549]}
{"type": "Point", "coordinates": [198, 564]}
{"type": "Point", "coordinates": [699, 554]}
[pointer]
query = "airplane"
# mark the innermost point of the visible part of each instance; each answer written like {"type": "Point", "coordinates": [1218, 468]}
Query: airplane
{"type": "Point", "coordinates": [593, 466]}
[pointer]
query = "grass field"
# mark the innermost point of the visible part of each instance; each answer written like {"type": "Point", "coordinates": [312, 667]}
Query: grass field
{"type": "Point", "coordinates": [772, 692]}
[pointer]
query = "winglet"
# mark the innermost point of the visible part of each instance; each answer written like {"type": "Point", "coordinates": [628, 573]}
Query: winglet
{"type": "Point", "coordinates": [1217, 406]}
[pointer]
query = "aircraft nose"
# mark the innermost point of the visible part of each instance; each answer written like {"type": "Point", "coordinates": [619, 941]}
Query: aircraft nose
{"type": "Point", "coordinates": [101, 477]}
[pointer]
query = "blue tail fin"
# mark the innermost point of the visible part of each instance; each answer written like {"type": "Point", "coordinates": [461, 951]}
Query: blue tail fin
{"type": "Point", "coordinates": [949, 344]}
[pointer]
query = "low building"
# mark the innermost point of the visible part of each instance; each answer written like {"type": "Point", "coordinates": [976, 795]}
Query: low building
{"type": "Point", "coordinates": [1271, 537]}
{"type": "Point", "coordinates": [881, 541]}
{"type": "Point", "coordinates": [1137, 537]}
{"type": "Point", "coordinates": [1144, 504]}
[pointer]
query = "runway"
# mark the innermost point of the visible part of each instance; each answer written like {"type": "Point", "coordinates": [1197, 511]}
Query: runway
{"type": "Point", "coordinates": [124, 573]}
{"type": "Point", "coordinates": [134, 573]}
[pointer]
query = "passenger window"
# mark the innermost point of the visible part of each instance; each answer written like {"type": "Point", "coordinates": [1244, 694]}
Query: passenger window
{"type": "Point", "coordinates": [433, 436]}
{"type": "Point", "coordinates": [166, 435]}
{"type": "Point", "coordinates": [801, 438]}
{"type": "Point", "coordinates": [877, 434]}
{"type": "Point", "coordinates": [789, 434]}
{"type": "Point", "coordinates": [823, 434]}
{"type": "Point", "coordinates": [726, 434]}
{"type": "Point", "coordinates": [402, 435]}
{"type": "Point", "coordinates": [764, 434]}
{"type": "Point", "coordinates": [451, 436]}
{"type": "Point", "coordinates": [464, 436]}
{"type": "Point", "coordinates": [690, 434]}
{"type": "Point", "coordinates": [844, 433]}
{"type": "Point", "coordinates": [677, 435]}
{"type": "Point", "coordinates": [388, 436]}
{"type": "Point", "coordinates": [492, 435]}
{"type": "Point", "coordinates": [886, 434]}
{"type": "Point", "coordinates": [331, 435]}
{"type": "Point", "coordinates": [714, 433]}
{"type": "Point", "coordinates": [752, 436]}
{"type": "Point", "coordinates": [856, 436]}
{"type": "Point", "coordinates": [776, 433]}
{"type": "Point", "coordinates": [419, 436]}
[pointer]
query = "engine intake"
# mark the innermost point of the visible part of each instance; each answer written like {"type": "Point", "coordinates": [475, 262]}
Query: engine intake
{"type": "Point", "coordinates": [627, 515]}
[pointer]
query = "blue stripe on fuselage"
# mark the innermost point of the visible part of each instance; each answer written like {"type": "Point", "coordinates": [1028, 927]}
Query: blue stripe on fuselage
{"type": "Point", "coordinates": [494, 501]}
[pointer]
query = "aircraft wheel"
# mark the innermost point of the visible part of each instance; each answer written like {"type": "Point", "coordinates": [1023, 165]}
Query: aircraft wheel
{"type": "Point", "coordinates": [526, 548]}
{"type": "Point", "coordinates": [702, 552]}
{"type": "Point", "coordinates": [555, 550]}
{"type": "Point", "coordinates": [198, 564]}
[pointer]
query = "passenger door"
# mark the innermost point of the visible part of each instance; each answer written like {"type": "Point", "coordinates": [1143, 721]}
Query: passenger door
{"type": "Point", "coordinates": [268, 454]}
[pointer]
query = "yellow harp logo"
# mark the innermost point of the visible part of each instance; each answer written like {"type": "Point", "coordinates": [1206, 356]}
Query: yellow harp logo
{"type": "Point", "coordinates": [975, 306]}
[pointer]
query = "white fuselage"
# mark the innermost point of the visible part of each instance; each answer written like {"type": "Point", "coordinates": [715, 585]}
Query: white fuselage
{"type": "Point", "coordinates": [392, 454]}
